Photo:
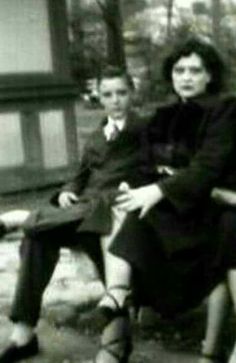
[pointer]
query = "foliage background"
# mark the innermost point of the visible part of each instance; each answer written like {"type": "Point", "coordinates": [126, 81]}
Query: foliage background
{"type": "Point", "coordinates": [139, 34]}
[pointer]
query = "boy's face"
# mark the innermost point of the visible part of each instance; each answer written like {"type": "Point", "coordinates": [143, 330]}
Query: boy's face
{"type": "Point", "coordinates": [115, 96]}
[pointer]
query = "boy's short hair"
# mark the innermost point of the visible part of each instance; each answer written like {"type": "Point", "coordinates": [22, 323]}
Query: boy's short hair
{"type": "Point", "coordinates": [111, 71]}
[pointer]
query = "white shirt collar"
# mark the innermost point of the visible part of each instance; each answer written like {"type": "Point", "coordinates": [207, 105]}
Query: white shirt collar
{"type": "Point", "coordinates": [120, 123]}
{"type": "Point", "coordinates": [110, 125]}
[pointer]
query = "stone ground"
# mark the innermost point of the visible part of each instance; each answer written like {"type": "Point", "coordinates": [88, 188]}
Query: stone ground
{"type": "Point", "coordinates": [66, 333]}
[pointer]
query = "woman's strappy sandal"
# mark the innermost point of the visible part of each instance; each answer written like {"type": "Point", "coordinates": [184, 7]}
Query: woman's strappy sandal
{"type": "Point", "coordinates": [116, 351]}
{"type": "Point", "coordinates": [103, 314]}
{"type": "Point", "coordinates": [116, 342]}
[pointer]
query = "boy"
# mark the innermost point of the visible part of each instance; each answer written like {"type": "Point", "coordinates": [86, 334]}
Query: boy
{"type": "Point", "coordinates": [86, 211]}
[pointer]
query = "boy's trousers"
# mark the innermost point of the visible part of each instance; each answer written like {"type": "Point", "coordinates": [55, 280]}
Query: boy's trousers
{"type": "Point", "coordinates": [39, 256]}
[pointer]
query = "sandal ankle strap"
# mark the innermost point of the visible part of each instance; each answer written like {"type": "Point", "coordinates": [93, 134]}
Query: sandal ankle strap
{"type": "Point", "coordinates": [112, 297]}
{"type": "Point", "coordinates": [116, 302]}
{"type": "Point", "coordinates": [124, 350]}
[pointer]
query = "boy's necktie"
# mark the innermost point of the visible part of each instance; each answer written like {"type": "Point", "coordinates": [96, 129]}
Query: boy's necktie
{"type": "Point", "coordinates": [111, 131]}
{"type": "Point", "coordinates": [114, 132]}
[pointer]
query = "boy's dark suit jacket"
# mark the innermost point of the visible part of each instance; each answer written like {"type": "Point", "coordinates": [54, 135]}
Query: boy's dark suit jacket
{"type": "Point", "coordinates": [174, 246]}
{"type": "Point", "coordinates": [103, 166]}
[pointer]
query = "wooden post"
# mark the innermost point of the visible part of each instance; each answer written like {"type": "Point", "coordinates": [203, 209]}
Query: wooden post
{"type": "Point", "coordinates": [38, 138]}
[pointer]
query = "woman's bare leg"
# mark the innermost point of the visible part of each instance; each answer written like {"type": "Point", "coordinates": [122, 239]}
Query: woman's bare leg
{"type": "Point", "coordinates": [232, 288]}
{"type": "Point", "coordinates": [117, 270]}
{"type": "Point", "coordinates": [217, 312]}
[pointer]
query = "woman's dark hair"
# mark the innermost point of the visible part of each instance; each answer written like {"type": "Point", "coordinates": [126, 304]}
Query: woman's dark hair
{"type": "Point", "coordinates": [210, 58]}
{"type": "Point", "coordinates": [111, 71]}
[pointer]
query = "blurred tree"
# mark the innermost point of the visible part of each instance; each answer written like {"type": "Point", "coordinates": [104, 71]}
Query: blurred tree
{"type": "Point", "coordinates": [169, 4]}
{"type": "Point", "coordinates": [200, 8]}
{"type": "Point", "coordinates": [216, 19]}
{"type": "Point", "coordinates": [87, 36]}
{"type": "Point", "coordinates": [111, 11]}
{"type": "Point", "coordinates": [131, 7]}
{"type": "Point", "coordinates": [96, 35]}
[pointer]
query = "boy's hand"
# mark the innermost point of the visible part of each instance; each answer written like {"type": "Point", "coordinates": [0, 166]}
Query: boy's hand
{"type": "Point", "coordinates": [166, 170]}
{"type": "Point", "coordinates": [66, 199]}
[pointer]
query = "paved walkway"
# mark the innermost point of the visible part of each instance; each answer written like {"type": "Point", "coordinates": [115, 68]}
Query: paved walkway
{"type": "Point", "coordinates": [66, 345]}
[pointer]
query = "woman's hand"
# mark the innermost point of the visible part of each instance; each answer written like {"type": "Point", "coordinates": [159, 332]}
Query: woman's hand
{"type": "Point", "coordinates": [166, 170]}
{"type": "Point", "coordinates": [143, 198]}
{"type": "Point", "coordinates": [224, 196]}
{"type": "Point", "coordinates": [66, 199]}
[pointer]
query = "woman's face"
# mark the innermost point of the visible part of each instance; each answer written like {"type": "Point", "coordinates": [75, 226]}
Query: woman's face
{"type": "Point", "coordinates": [190, 77]}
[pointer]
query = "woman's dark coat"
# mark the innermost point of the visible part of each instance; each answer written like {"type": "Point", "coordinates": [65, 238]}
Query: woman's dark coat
{"type": "Point", "coordinates": [174, 248]}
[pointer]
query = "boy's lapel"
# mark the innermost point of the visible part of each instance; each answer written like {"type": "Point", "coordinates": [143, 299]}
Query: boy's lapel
{"type": "Point", "coordinates": [130, 125]}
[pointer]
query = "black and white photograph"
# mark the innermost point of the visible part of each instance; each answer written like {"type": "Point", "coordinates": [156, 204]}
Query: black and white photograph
{"type": "Point", "coordinates": [118, 181]}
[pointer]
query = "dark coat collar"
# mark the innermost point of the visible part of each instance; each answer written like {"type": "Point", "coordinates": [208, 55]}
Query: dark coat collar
{"type": "Point", "coordinates": [203, 101]}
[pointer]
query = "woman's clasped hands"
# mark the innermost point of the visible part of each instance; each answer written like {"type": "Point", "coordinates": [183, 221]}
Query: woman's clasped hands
{"type": "Point", "coordinates": [143, 198]}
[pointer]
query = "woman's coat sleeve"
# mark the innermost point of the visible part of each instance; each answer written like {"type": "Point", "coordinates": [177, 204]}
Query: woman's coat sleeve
{"type": "Point", "coordinates": [190, 185]}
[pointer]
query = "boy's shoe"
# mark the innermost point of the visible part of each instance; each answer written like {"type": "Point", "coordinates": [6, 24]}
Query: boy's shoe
{"type": "Point", "coordinates": [14, 353]}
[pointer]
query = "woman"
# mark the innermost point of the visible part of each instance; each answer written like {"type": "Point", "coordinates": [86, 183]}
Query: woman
{"type": "Point", "coordinates": [169, 244]}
